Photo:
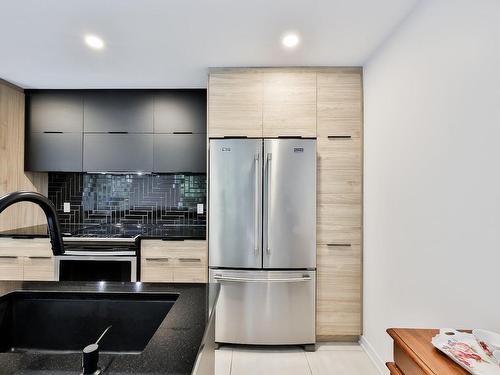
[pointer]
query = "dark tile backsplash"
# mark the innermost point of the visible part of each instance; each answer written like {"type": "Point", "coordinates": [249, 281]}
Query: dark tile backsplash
{"type": "Point", "coordinates": [129, 198]}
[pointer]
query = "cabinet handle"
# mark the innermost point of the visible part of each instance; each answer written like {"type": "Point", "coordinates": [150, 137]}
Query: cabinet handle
{"type": "Point", "coordinates": [338, 244]}
{"type": "Point", "coordinates": [8, 257]}
{"type": "Point", "coordinates": [339, 137]}
{"type": "Point", "coordinates": [157, 259]}
{"type": "Point", "coordinates": [189, 260]}
{"type": "Point", "coordinates": [182, 132]}
{"type": "Point", "coordinates": [117, 132]}
{"type": "Point", "coordinates": [52, 132]}
{"type": "Point", "coordinates": [39, 257]}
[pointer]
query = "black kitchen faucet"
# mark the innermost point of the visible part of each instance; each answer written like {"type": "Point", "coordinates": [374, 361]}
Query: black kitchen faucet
{"type": "Point", "coordinates": [47, 207]}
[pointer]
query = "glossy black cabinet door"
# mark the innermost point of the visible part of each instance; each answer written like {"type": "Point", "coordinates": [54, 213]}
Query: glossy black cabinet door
{"type": "Point", "coordinates": [58, 152]}
{"type": "Point", "coordinates": [180, 111]}
{"type": "Point", "coordinates": [180, 153]}
{"type": "Point", "coordinates": [118, 152]}
{"type": "Point", "coordinates": [118, 111]}
{"type": "Point", "coordinates": [54, 111]}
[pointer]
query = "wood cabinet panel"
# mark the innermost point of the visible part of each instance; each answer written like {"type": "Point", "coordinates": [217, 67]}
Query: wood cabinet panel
{"type": "Point", "coordinates": [26, 259]}
{"type": "Point", "coordinates": [235, 103]}
{"type": "Point", "coordinates": [156, 269]}
{"type": "Point", "coordinates": [177, 261]}
{"type": "Point", "coordinates": [340, 103]}
{"type": "Point", "coordinates": [339, 290]}
{"type": "Point", "coordinates": [40, 268]}
{"type": "Point", "coordinates": [289, 104]}
{"type": "Point", "coordinates": [11, 267]}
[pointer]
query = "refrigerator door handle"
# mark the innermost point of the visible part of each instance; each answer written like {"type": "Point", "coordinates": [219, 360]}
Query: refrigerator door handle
{"type": "Point", "coordinates": [256, 207]}
{"type": "Point", "coordinates": [251, 280]}
{"type": "Point", "coordinates": [269, 158]}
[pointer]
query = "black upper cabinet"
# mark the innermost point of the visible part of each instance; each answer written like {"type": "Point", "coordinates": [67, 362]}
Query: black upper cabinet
{"type": "Point", "coordinates": [54, 152]}
{"type": "Point", "coordinates": [180, 111]}
{"type": "Point", "coordinates": [118, 152]}
{"type": "Point", "coordinates": [118, 111]}
{"type": "Point", "coordinates": [180, 153]}
{"type": "Point", "coordinates": [54, 111]}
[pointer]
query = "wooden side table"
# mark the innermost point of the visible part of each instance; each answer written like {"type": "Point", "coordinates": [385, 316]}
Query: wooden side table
{"type": "Point", "coordinates": [414, 354]}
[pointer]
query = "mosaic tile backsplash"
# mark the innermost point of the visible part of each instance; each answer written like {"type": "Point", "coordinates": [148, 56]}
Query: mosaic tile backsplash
{"type": "Point", "coordinates": [170, 199]}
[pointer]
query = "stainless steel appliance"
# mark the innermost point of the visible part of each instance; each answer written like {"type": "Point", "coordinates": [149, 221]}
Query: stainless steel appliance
{"type": "Point", "coordinates": [100, 253]}
{"type": "Point", "coordinates": [262, 239]}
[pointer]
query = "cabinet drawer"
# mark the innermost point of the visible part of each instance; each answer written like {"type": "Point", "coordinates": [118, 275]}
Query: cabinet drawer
{"type": "Point", "coordinates": [289, 104]}
{"type": "Point", "coordinates": [25, 247]}
{"type": "Point", "coordinates": [340, 103]}
{"type": "Point", "coordinates": [39, 268]}
{"type": "Point", "coordinates": [174, 249]}
{"type": "Point", "coordinates": [156, 269]}
{"type": "Point", "coordinates": [191, 275]}
{"type": "Point", "coordinates": [11, 267]}
{"type": "Point", "coordinates": [177, 261]}
{"type": "Point", "coordinates": [339, 290]}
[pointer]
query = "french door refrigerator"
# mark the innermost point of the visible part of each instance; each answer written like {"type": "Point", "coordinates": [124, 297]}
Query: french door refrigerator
{"type": "Point", "coordinates": [262, 239]}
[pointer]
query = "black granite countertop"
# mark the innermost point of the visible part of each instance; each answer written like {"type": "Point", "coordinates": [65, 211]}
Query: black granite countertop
{"type": "Point", "coordinates": [173, 349]}
{"type": "Point", "coordinates": [149, 231]}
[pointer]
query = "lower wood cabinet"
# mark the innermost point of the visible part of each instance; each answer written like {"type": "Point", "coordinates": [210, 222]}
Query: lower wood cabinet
{"type": "Point", "coordinates": [174, 261]}
{"type": "Point", "coordinates": [338, 291]}
{"type": "Point", "coordinates": [26, 259]}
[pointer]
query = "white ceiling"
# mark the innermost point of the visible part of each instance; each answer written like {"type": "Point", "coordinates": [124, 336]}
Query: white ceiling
{"type": "Point", "coordinates": [171, 43]}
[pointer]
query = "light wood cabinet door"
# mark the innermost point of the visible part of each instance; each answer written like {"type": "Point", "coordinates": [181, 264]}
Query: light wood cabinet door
{"type": "Point", "coordinates": [26, 259]}
{"type": "Point", "coordinates": [289, 104]}
{"type": "Point", "coordinates": [235, 100]}
{"type": "Point", "coordinates": [340, 103]}
{"type": "Point", "coordinates": [174, 261]}
{"type": "Point", "coordinates": [338, 291]}
{"type": "Point", "coordinates": [156, 269]}
{"type": "Point", "coordinates": [39, 268]}
{"type": "Point", "coordinates": [11, 267]}
{"type": "Point", "coordinates": [339, 190]}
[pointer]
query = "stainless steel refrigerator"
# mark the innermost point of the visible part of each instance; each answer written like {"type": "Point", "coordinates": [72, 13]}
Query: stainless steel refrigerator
{"type": "Point", "coordinates": [262, 239]}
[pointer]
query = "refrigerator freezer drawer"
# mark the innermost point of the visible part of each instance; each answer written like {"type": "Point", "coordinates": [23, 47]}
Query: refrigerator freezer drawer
{"type": "Point", "coordinates": [265, 307]}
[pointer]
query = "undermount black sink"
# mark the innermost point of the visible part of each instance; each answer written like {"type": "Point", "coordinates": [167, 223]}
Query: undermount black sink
{"type": "Point", "coordinates": [69, 321]}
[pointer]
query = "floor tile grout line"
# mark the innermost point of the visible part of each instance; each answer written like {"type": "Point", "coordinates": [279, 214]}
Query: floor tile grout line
{"type": "Point", "coordinates": [231, 362]}
{"type": "Point", "coordinates": [308, 364]}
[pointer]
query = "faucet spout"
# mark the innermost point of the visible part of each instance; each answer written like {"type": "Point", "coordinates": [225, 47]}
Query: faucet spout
{"type": "Point", "coordinates": [47, 207]}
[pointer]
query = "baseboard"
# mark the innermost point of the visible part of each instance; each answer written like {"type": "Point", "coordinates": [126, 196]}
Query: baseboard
{"type": "Point", "coordinates": [337, 338]}
{"type": "Point", "coordinates": [374, 357]}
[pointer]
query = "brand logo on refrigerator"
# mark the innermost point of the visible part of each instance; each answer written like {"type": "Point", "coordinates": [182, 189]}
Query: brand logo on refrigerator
{"type": "Point", "coordinates": [226, 149]}
{"type": "Point", "coordinates": [298, 149]}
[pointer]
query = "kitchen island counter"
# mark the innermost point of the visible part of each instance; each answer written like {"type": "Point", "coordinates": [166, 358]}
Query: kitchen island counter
{"type": "Point", "coordinates": [183, 337]}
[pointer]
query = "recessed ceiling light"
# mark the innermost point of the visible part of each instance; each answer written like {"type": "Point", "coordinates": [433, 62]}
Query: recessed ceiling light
{"type": "Point", "coordinates": [93, 41]}
{"type": "Point", "coordinates": [290, 40]}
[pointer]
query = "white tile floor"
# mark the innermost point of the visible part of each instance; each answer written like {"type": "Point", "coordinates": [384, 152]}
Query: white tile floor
{"type": "Point", "coordinates": [337, 359]}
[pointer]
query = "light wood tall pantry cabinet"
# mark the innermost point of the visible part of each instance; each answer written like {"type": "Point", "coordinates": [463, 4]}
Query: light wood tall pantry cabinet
{"type": "Point", "coordinates": [310, 102]}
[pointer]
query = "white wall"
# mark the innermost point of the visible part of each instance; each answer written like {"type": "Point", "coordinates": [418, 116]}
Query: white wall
{"type": "Point", "coordinates": [432, 172]}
